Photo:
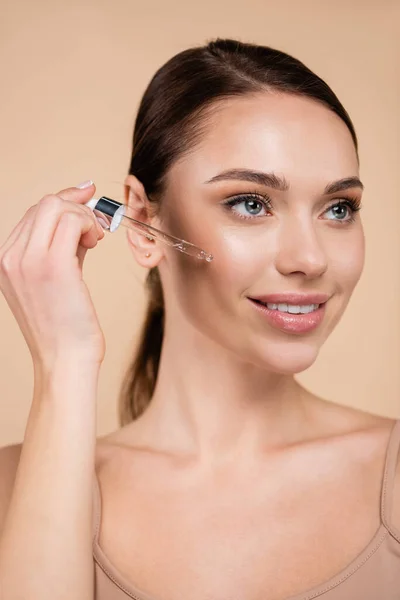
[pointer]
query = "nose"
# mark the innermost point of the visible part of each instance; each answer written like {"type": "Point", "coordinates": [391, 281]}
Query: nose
{"type": "Point", "coordinates": [300, 251]}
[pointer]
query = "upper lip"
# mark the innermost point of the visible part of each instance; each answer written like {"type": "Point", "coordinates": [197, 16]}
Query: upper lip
{"type": "Point", "coordinates": [294, 298]}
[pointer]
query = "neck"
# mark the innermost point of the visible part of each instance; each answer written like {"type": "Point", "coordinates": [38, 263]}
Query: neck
{"type": "Point", "coordinates": [209, 404]}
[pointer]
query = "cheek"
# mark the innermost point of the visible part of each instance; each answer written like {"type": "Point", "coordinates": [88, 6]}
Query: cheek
{"type": "Point", "coordinates": [241, 258]}
{"type": "Point", "coordinates": [346, 263]}
{"type": "Point", "coordinates": [222, 280]}
{"type": "Point", "coordinates": [208, 293]}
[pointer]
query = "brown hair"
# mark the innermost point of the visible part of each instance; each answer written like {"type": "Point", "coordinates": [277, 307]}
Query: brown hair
{"type": "Point", "coordinates": [169, 123]}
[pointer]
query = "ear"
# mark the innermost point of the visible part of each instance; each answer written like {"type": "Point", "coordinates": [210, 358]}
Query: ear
{"type": "Point", "coordinates": [136, 199]}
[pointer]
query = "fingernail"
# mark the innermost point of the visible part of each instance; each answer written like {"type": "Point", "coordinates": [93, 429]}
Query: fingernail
{"type": "Point", "coordinates": [85, 184]}
{"type": "Point", "coordinates": [103, 223]}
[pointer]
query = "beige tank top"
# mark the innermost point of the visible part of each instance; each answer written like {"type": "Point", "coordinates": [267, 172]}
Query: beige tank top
{"type": "Point", "coordinates": [373, 575]}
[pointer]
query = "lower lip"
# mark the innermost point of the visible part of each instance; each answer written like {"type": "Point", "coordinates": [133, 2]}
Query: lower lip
{"type": "Point", "coordinates": [300, 323]}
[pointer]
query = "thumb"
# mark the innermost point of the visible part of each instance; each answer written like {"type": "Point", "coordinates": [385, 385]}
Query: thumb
{"type": "Point", "coordinates": [80, 193]}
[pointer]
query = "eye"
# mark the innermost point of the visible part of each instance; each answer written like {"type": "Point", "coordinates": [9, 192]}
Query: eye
{"type": "Point", "coordinates": [253, 204]}
{"type": "Point", "coordinates": [349, 206]}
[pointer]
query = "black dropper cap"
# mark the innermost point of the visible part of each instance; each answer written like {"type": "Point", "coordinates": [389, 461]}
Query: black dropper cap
{"type": "Point", "coordinates": [108, 206]}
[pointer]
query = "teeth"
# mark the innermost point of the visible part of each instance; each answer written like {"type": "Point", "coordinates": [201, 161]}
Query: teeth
{"type": "Point", "coordinates": [292, 308]}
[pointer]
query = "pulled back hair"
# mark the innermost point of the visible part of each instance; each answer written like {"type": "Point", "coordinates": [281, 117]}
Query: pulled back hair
{"type": "Point", "coordinates": [170, 122]}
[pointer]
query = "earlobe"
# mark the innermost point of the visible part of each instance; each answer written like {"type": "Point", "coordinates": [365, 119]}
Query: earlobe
{"type": "Point", "coordinates": [145, 255]}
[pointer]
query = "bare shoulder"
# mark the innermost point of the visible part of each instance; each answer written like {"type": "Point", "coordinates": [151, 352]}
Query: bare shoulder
{"type": "Point", "coordinates": [9, 460]}
{"type": "Point", "coordinates": [383, 428]}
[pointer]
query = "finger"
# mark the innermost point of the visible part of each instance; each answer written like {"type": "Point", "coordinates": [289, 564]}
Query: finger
{"type": "Point", "coordinates": [78, 195]}
{"type": "Point", "coordinates": [70, 233]}
{"type": "Point", "coordinates": [50, 210]}
{"type": "Point", "coordinates": [74, 194]}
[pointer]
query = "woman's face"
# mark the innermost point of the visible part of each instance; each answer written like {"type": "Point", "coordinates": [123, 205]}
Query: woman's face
{"type": "Point", "coordinates": [276, 241]}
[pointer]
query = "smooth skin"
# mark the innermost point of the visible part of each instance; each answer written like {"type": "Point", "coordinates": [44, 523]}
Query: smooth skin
{"type": "Point", "coordinates": [236, 481]}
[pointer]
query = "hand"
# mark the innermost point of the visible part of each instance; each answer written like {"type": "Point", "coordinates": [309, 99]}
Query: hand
{"type": "Point", "coordinates": [41, 279]}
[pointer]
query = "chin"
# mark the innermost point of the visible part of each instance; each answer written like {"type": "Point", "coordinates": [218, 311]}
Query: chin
{"type": "Point", "coordinates": [288, 358]}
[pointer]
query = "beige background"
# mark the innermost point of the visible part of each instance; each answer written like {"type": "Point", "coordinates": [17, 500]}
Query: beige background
{"type": "Point", "coordinates": [72, 74]}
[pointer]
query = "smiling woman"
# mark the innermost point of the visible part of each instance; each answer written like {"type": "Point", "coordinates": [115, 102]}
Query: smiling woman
{"type": "Point", "coordinates": [227, 478]}
{"type": "Point", "coordinates": [272, 168]}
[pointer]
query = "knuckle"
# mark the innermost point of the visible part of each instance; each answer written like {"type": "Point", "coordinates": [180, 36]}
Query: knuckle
{"type": "Point", "coordinates": [50, 200]}
{"type": "Point", "coordinates": [70, 217]}
{"type": "Point", "coordinates": [88, 211]}
{"type": "Point", "coordinates": [30, 210]}
{"type": "Point", "coordinates": [8, 262]}
{"type": "Point", "coordinates": [85, 208]}
{"type": "Point", "coordinates": [90, 214]}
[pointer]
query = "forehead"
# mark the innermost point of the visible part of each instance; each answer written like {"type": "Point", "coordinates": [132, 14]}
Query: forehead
{"type": "Point", "coordinates": [288, 134]}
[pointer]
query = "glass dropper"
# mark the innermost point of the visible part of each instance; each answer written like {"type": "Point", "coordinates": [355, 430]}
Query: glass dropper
{"type": "Point", "coordinates": [116, 214]}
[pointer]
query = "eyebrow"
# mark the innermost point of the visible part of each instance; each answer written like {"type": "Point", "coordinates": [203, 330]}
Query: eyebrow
{"type": "Point", "coordinates": [280, 183]}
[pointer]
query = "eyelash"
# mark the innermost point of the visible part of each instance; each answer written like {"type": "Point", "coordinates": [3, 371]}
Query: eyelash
{"type": "Point", "coordinates": [352, 203]}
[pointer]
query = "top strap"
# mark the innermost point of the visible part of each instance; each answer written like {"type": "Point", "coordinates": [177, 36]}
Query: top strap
{"type": "Point", "coordinates": [96, 506]}
{"type": "Point", "coordinates": [390, 474]}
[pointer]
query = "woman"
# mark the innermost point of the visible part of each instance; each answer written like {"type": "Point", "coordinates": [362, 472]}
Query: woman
{"type": "Point", "coordinates": [227, 479]}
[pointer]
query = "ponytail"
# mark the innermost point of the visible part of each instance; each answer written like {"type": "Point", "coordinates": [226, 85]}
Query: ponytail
{"type": "Point", "coordinates": [140, 379]}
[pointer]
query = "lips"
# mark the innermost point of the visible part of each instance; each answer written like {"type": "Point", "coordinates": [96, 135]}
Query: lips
{"type": "Point", "coordinates": [292, 323]}
{"type": "Point", "coordinates": [294, 298]}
